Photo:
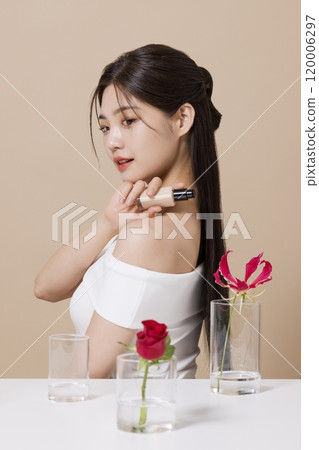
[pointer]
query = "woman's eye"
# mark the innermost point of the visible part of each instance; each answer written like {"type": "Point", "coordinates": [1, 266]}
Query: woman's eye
{"type": "Point", "coordinates": [104, 129]}
{"type": "Point", "coordinates": [128, 122]}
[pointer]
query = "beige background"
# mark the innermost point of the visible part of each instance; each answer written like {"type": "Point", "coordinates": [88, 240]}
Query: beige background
{"type": "Point", "coordinates": [52, 52]}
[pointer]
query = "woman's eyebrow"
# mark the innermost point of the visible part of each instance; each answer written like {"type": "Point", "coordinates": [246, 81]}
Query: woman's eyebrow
{"type": "Point", "coordinates": [119, 110]}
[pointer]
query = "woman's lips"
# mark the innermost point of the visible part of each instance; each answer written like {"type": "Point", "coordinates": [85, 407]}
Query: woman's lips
{"type": "Point", "coordinates": [122, 164]}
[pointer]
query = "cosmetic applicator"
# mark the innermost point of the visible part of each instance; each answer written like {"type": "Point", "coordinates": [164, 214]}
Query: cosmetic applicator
{"type": "Point", "coordinates": [165, 197]}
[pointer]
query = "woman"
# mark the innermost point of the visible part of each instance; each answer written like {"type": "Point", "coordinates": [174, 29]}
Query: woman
{"type": "Point", "coordinates": [155, 112]}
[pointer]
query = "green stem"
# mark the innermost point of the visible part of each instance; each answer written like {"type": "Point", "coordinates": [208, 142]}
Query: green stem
{"type": "Point", "coordinates": [225, 343]}
{"type": "Point", "coordinates": [143, 411]}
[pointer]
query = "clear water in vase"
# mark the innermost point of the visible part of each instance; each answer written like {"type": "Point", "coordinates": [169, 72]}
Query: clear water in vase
{"type": "Point", "coordinates": [66, 391]}
{"type": "Point", "coordinates": [160, 415]}
{"type": "Point", "coordinates": [235, 382]}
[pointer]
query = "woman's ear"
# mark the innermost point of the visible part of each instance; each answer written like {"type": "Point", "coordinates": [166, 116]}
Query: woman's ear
{"type": "Point", "coordinates": [185, 116]}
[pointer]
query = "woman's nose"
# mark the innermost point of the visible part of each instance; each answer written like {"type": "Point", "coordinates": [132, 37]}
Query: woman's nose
{"type": "Point", "coordinates": [114, 139]}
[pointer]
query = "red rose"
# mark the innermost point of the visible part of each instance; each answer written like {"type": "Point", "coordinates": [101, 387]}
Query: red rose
{"type": "Point", "coordinates": [151, 342]}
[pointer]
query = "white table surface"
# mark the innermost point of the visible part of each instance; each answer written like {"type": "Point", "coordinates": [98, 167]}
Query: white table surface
{"type": "Point", "coordinates": [269, 420]}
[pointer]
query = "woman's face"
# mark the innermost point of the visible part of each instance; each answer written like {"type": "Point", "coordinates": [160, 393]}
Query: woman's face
{"type": "Point", "coordinates": [142, 146]}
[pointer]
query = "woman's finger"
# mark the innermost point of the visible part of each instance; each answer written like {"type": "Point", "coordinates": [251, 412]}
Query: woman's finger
{"type": "Point", "coordinates": [179, 186]}
{"type": "Point", "coordinates": [152, 210]}
{"type": "Point", "coordinates": [136, 191]}
{"type": "Point", "coordinates": [124, 190]}
{"type": "Point", "coordinates": [154, 186]}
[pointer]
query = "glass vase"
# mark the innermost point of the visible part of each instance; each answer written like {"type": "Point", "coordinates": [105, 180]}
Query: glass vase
{"type": "Point", "coordinates": [234, 347]}
{"type": "Point", "coordinates": [156, 411]}
{"type": "Point", "coordinates": [68, 379]}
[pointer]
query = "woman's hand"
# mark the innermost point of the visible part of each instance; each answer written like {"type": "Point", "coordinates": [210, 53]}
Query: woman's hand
{"type": "Point", "coordinates": [124, 201]}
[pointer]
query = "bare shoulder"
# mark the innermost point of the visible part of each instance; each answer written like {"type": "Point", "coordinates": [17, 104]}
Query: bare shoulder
{"type": "Point", "coordinates": [167, 243]}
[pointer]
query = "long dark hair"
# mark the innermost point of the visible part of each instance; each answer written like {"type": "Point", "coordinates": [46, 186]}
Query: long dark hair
{"type": "Point", "coordinates": [167, 78]}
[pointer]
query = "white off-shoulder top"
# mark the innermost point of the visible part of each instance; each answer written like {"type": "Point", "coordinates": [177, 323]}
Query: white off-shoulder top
{"type": "Point", "coordinates": [126, 295]}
